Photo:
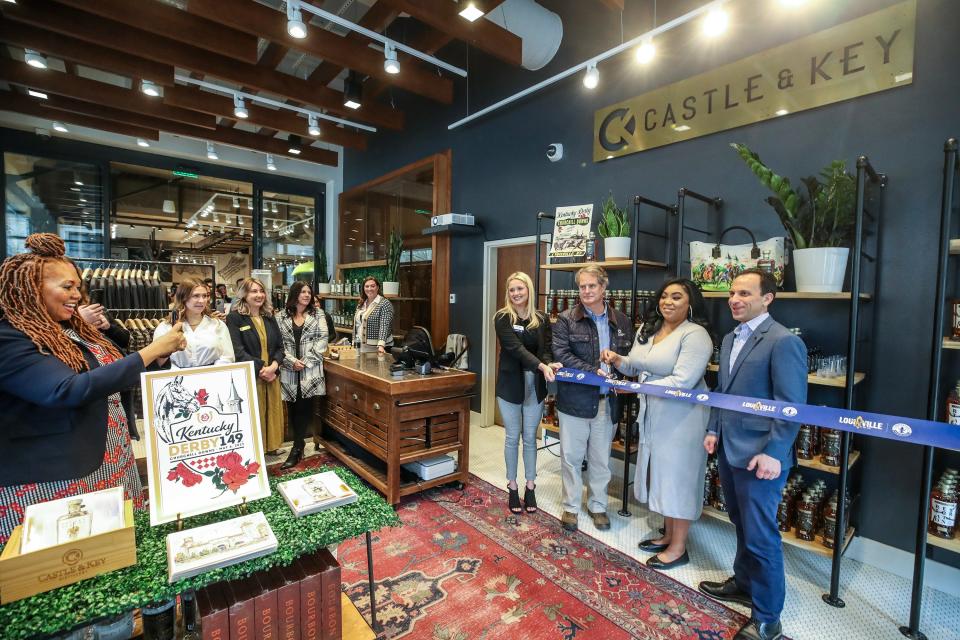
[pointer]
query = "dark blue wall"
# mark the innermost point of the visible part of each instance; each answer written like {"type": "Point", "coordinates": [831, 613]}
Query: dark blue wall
{"type": "Point", "coordinates": [501, 175]}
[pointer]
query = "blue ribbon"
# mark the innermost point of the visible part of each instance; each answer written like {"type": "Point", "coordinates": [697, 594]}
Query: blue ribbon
{"type": "Point", "coordinates": [912, 430]}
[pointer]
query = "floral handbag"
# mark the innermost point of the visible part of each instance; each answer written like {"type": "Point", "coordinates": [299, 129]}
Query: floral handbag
{"type": "Point", "coordinates": [714, 266]}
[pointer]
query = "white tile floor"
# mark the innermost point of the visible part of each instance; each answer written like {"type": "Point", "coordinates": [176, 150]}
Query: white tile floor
{"type": "Point", "coordinates": [877, 602]}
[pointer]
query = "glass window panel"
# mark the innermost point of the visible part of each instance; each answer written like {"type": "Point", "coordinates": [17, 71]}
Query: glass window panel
{"type": "Point", "coordinates": [55, 196]}
{"type": "Point", "coordinates": [288, 228]}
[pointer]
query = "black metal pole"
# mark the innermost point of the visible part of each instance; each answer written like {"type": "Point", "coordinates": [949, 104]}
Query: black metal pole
{"type": "Point", "coordinates": [372, 586]}
{"type": "Point", "coordinates": [912, 630]}
{"type": "Point", "coordinates": [628, 428]}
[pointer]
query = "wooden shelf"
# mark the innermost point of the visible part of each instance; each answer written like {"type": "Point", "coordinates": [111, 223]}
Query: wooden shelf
{"type": "Point", "coordinates": [788, 537]}
{"type": "Point", "coordinates": [950, 545]}
{"type": "Point", "coordinates": [955, 246]}
{"type": "Point", "coordinates": [361, 265]}
{"type": "Point", "coordinates": [812, 379]}
{"type": "Point", "coordinates": [796, 295]}
{"type": "Point", "coordinates": [951, 344]}
{"type": "Point", "coordinates": [819, 466]}
{"type": "Point", "coordinates": [609, 264]}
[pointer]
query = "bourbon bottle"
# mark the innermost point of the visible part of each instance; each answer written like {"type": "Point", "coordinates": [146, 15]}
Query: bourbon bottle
{"type": "Point", "coordinates": [784, 509]}
{"type": "Point", "coordinates": [955, 318]}
{"type": "Point", "coordinates": [943, 511]}
{"type": "Point", "coordinates": [953, 405]}
{"type": "Point", "coordinates": [806, 517]}
{"type": "Point", "coordinates": [830, 447]}
{"type": "Point", "coordinates": [805, 442]}
{"type": "Point", "coordinates": [75, 524]}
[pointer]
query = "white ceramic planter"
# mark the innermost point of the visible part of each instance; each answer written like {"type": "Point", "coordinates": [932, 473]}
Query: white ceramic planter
{"type": "Point", "coordinates": [323, 288]}
{"type": "Point", "coordinates": [391, 288]}
{"type": "Point", "coordinates": [616, 248]}
{"type": "Point", "coordinates": [820, 270]}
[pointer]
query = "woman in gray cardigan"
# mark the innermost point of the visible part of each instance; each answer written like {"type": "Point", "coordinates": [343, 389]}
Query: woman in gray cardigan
{"type": "Point", "coordinates": [373, 321]}
{"type": "Point", "coordinates": [304, 332]}
{"type": "Point", "coordinates": [672, 349]}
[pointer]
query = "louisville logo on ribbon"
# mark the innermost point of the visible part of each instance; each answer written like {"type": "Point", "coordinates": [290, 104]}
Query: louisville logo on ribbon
{"type": "Point", "coordinates": [912, 430]}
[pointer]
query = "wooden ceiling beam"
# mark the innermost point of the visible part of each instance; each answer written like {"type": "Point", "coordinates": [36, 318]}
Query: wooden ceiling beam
{"type": "Point", "coordinates": [254, 17]}
{"type": "Point", "coordinates": [616, 5]}
{"type": "Point", "coordinates": [73, 50]}
{"type": "Point", "coordinates": [430, 42]}
{"type": "Point", "coordinates": [482, 34]}
{"type": "Point", "coordinates": [38, 108]}
{"type": "Point", "coordinates": [99, 93]}
{"type": "Point", "coordinates": [277, 119]}
{"type": "Point", "coordinates": [166, 20]}
{"type": "Point", "coordinates": [91, 28]}
{"type": "Point", "coordinates": [247, 140]}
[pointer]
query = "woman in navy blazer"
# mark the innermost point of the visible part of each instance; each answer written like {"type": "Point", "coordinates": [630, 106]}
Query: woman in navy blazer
{"type": "Point", "coordinates": [63, 430]}
{"type": "Point", "coordinates": [256, 338]}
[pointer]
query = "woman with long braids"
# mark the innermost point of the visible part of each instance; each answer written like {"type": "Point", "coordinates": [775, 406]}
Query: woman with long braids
{"type": "Point", "coordinates": [672, 349]}
{"type": "Point", "coordinates": [63, 430]}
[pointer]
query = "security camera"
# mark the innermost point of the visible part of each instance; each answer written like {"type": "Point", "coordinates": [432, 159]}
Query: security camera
{"type": "Point", "coordinates": [554, 152]}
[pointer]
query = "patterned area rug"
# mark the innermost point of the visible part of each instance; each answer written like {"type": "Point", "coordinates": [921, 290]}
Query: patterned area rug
{"type": "Point", "coordinates": [463, 568]}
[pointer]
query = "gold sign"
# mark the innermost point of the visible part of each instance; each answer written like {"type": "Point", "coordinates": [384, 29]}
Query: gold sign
{"type": "Point", "coordinates": [856, 58]}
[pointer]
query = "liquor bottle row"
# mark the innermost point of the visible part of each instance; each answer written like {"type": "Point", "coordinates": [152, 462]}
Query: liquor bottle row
{"type": "Point", "coordinates": [346, 287]}
{"type": "Point", "coordinates": [342, 319]}
{"type": "Point", "coordinates": [943, 506]}
{"type": "Point", "coordinates": [813, 441]}
{"type": "Point", "coordinates": [559, 300]}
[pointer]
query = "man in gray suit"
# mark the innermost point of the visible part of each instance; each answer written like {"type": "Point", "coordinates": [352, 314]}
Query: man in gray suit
{"type": "Point", "coordinates": [759, 358]}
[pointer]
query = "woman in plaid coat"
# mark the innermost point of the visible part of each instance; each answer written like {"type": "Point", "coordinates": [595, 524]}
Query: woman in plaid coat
{"type": "Point", "coordinates": [304, 333]}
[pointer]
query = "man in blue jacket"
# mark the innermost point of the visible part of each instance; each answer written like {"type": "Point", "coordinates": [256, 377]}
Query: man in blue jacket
{"type": "Point", "coordinates": [588, 414]}
{"type": "Point", "coordinates": [761, 359]}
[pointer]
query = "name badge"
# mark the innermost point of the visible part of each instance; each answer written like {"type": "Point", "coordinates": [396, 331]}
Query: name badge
{"type": "Point", "coordinates": [246, 328]}
{"type": "Point", "coordinates": [519, 328]}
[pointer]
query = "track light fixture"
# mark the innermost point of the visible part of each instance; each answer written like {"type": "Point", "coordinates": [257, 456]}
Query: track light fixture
{"type": "Point", "coordinates": [236, 202]}
{"type": "Point", "coordinates": [715, 22]}
{"type": "Point", "coordinates": [312, 127]}
{"type": "Point", "coordinates": [76, 179]}
{"type": "Point", "coordinates": [149, 88]}
{"type": "Point", "coordinates": [36, 94]}
{"type": "Point", "coordinates": [270, 165]}
{"type": "Point", "coordinates": [295, 25]}
{"type": "Point", "coordinates": [212, 152]}
{"type": "Point", "coordinates": [646, 51]}
{"type": "Point", "coordinates": [34, 59]}
{"type": "Point", "coordinates": [60, 127]}
{"type": "Point", "coordinates": [592, 76]}
{"type": "Point", "coordinates": [294, 145]}
{"type": "Point", "coordinates": [239, 108]}
{"type": "Point", "coordinates": [142, 143]}
{"type": "Point", "coordinates": [390, 62]}
{"type": "Point", "coordinates": [352, 91]}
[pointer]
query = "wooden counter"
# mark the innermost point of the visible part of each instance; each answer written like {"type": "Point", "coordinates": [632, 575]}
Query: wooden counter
{"type": "Point", "coordinates": [396, 420]}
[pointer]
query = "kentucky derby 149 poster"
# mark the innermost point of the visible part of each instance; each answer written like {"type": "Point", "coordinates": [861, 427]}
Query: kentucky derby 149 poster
{"type": "Point", "coordinates": [203, 440]}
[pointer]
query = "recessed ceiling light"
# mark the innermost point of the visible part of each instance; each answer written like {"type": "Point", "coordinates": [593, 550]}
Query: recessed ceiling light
{"type": "Point", "coordinates": [352, 91]}
{"type": "Point", "coordinates": [471, 12]}
{"type": "Point", "coordinates": [37, 94]}
{"type": "Point", "coordinates": [294, 144]}
{"type": "Point", "coordinates": [34, 59]}
{"type": "Point", "coordinates": [149, 88]}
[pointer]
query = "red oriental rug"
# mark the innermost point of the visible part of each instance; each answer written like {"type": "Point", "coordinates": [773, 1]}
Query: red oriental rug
{"type": "Point", "coordinates": [463, 568]}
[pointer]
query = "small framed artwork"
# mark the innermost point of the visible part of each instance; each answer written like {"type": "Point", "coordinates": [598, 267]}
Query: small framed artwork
{"type": "Point", "coordinates": [204, 450]}
{"type": "Point", "coordinates": [220, 544]}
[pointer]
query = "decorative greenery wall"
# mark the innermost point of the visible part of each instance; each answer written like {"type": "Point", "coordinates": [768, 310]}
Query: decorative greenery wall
{"type": "Point", "coordinates": [146, 582]}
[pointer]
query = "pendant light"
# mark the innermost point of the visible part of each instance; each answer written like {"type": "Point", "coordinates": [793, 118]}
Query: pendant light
{"type": "Point", "coordinates": [352, 91]}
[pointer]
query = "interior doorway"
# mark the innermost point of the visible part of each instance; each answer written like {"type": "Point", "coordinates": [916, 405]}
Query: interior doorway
{"type": "Point", "coordinates": [501, 258]}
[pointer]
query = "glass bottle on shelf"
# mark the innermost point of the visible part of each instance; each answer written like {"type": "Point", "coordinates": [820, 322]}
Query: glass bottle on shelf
{"type": "Point", "coordinates": [74, 524]}
{"type": "Point", "coordinates": [943, 510]}
{"type": "Point", "coordinates": [830, 447]}
{"type": "Point", "coordinates": [766, 263]}
{"type": "Point", "coordinates": [806, 517]}
{"type": "Point", "coordinates": [830, 521]}
{"type": "Point", "coordinates": [953, 405]}
{"type": "Point", "coordinates": [591, 254]}
{"type": "Point", "coordinates": [955, 318]}
{"type": "Point", "coordinates": [783, 511]}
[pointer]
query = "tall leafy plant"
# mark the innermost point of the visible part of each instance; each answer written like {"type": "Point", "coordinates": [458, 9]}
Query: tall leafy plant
{"type": "Point", "coordinates": [614, 223]}
{"type": "Point", "coordinates": [394, 249]}
{"type": "Point", "coordinates": [322, 274]}
{"type": "Point", "coordinates": [820, 216]}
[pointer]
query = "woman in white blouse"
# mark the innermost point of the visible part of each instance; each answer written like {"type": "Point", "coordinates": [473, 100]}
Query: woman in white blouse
{"type": "Point", "coordinates": [208, 339]}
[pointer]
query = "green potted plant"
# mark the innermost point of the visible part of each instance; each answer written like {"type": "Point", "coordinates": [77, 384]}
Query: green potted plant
{"type": "Point", "coordinates": [323, 276]}
{"type": "Point", "coordinates": [391, 285]}
{"type": "Point", "coordinates": [614, 228]}
{"type": "Point", "coordinates": [820, 220]}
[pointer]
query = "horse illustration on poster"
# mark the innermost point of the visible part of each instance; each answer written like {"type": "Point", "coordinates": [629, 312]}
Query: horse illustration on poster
{"type": "Point", "coordinates": [173, 402]}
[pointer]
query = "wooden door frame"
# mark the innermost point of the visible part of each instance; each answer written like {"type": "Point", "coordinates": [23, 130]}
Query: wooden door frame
{"type": "Point", "coordinates": [442, 163]}
{"type": "Point", "coordinates": [488, 374]}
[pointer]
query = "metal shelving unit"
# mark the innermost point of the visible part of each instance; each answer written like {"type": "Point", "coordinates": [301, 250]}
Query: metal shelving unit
{"type": "Point", "coordinates": [948, 247]}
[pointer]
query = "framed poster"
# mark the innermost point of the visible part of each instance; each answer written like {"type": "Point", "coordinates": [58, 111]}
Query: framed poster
{"type": "Point", "coordinates": [204, 450]}
{"type": "Point", "coordinates": [571, 230]}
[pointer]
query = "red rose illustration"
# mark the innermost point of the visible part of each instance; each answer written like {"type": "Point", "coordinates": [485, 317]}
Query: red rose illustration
{"type": "Point", "coordinates": [229, 460]}
{"type": "Point", "coordinates": [235, 478]}
{"type": "Point", "coordinates": [253, 467]}
{"type": "Point", "coordinates": [202, 396]}
{"type": "Point", "coordinates": [186, 474]}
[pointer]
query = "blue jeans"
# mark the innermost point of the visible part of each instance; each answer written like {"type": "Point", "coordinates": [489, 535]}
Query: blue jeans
{"type": "Point", "coordinates": [523, 418]}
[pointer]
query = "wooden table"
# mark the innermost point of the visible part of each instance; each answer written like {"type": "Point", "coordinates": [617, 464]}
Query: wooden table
{"type": "Point", "coordinates": [395, 420]}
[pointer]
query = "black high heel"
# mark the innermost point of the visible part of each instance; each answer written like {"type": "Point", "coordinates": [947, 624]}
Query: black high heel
{"type": "Point", "coordinates": [514, 503]}
{"type": "Point", "coordinates": [296, 455]}
{"type": "Point", "coordinates": [530, 499]}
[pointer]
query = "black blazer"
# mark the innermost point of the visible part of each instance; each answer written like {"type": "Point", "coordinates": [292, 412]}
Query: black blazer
{"type": "Point", "coordinates": [515, 358]}
{"type": "Point", "coordinates": [246, 343]}
{"type": "Point", "coordinates": [53, 425]}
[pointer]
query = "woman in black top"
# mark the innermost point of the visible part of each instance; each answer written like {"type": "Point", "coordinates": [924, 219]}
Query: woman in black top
{"type": "Point", "coordinates": [525, 355]}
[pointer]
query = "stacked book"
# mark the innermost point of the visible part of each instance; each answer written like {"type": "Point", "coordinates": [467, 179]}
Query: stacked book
{"type": "Point", "coordinates": [297, 602]}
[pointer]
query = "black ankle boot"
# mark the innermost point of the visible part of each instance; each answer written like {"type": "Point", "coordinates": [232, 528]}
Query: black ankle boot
{"type": "Point", "coordinates": [296, 455]}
